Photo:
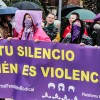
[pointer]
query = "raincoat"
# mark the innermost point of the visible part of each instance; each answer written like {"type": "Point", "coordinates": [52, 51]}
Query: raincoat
{"type": "Point", "coordinates": [38, 35]}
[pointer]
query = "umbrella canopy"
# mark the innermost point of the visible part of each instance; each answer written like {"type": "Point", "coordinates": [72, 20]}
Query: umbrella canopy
{"type": "Point", "coordinates": [26, 5]}
{"type": "Point", "coordinates": [84, 14]}
{"type": "Point", "coordinates": [97, 17]}
{"type": "Point", "coordinates": [8, 10]}
{"type": "Point", "coordinates": [67, 9]}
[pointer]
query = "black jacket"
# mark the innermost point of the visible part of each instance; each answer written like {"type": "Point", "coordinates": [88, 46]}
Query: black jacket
{"type": "Point", "coordinates": [51, 31]}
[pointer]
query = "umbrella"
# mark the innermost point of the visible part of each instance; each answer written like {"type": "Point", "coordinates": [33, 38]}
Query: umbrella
{"type": "Point", "coordinates": [67, 9]}
{"type": "Point", "coordinates": [8, 10]}
{"type": "Point", "coordinates": [97, 17]}
{"type": "Point", "coordinates": [26, 5]}
{"type": "Point", "coordinates": [84, 14]}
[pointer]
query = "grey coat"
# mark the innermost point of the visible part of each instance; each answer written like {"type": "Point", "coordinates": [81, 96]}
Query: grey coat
{"type": "Point", "coordinates": [85, 39]}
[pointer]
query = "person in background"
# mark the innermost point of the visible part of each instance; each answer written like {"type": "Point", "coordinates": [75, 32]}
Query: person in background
{"type": "Point", "coordinates": [57, 24]}
{"type": "Point", "coordinates": [30, 31]}
{"type": "Point", "coordinates": [14, 32]}
{"type": "Point", "coordinates": [88, 27]}
{"type": "Point", "coordinates": [76, 34]}
{"type": "Point", "coordinates": [5, 27]}
{"type": "Point", "coordinates": [72, 18]}
{"type": "Point", "coordinates": [96, 33]}
{"type": "Point", "coordinates": [51, 30]}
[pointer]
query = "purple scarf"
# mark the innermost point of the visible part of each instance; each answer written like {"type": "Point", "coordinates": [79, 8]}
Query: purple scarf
{"type": "Point", "coordinates": [28, 23]}
{"type": "Point", "coordinates": [76, 30]}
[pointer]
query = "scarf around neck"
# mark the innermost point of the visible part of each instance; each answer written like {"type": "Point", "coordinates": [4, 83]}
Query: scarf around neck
{"type": "Point", "coordinates": [27, 34]}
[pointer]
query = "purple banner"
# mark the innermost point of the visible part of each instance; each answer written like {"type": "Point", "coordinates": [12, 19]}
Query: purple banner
{"type": "Point", "coordinates": [49, 71]}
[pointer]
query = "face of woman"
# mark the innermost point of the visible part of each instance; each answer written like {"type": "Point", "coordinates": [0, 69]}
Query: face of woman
{"type": "Point", "coordinates": [8, 17]}
{"type": "Point", "coordinates": [50, 19]}
{"type": "Point", "coordinates": [72, 18]}
{"type": "Point", "coordinates": [28, 21]}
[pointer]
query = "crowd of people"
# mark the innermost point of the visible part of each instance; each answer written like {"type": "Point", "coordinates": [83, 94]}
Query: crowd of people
{"type": "Point", "coordinates": [76, 31]}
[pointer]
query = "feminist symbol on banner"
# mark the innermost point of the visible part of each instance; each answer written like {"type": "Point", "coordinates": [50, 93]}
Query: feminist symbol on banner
{"type": "Point", "coordinates": [61, 87]}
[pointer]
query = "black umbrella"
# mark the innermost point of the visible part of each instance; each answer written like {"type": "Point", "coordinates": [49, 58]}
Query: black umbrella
{"type": "Point", "coordinates": [26, 5]}
{"type": "Point", "coordinates": [68, 8]}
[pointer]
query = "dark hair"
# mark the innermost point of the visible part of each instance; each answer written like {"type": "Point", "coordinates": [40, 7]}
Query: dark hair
{"type": "Point", "coordinates": [4, 19]}
{"type": "Point", "coordinates": [77, 15]}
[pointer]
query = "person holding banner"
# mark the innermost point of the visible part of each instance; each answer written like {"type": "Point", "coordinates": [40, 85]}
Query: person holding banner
{"type": "Point", "coordinates": [76, 34]}
{"type": "Point", "coordinates": [96, 32]}
{"type": "Point", "coordinates": [67, 30]}
{"type": "Point", "coordinates": [51, 30]}
{"type": "Point", "coordinates": [30, 31]}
